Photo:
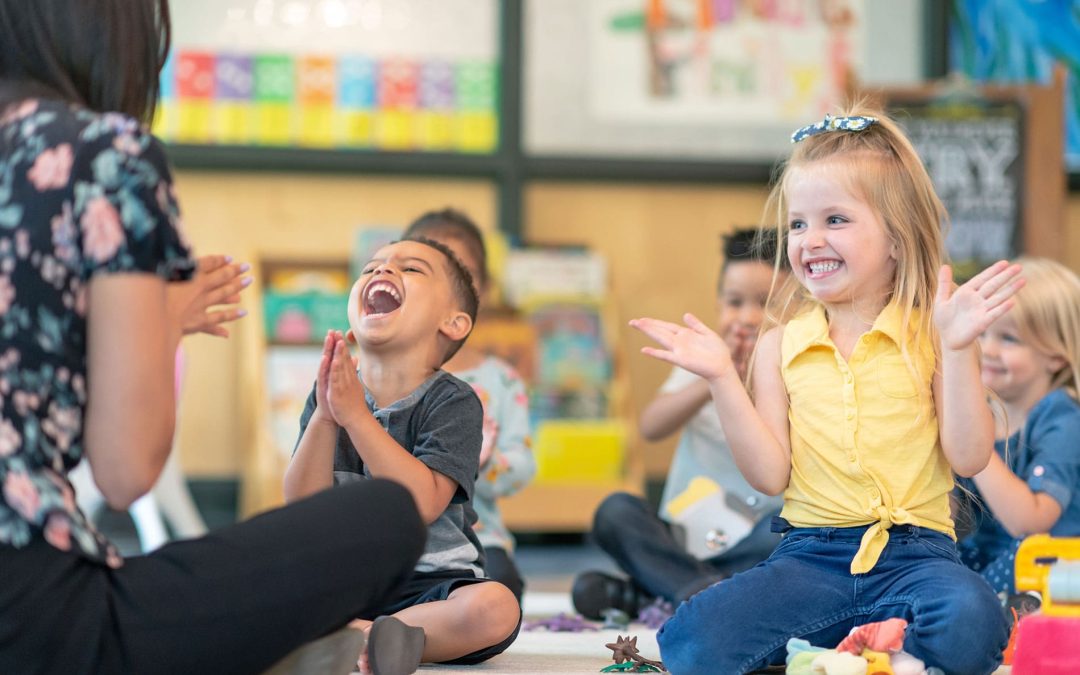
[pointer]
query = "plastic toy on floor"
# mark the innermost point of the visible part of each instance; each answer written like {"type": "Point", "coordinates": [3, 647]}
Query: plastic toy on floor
{"type": "Point", "coordinates": [1046, 643]}
{"type": "Point", "coordinates": [881, 636]}
{"type": "Point", "coordinates": [562, 623]}
{"type": "Point", "coordinates": [870, 649]}
{"type": "Point", "coordinates": [628, 659]}
{"type": "Point", "coordinates": [656, 614]}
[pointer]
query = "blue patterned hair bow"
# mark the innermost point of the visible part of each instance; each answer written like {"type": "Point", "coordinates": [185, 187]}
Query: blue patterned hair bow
{"type": "Point", "coordinates": [830, 123]}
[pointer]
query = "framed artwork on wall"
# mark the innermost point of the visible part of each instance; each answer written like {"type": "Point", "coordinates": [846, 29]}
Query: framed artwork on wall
{"type": "Point", "coordinates": [703, 79]}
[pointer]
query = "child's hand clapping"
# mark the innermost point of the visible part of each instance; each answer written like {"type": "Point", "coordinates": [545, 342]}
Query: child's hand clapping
{"type": "Point", "coordinates": [740, 343]}
{"type": "Point", "coordinates": [322, 380]}
{"type": "Point", "coordinates": [695, 346]}
{"type": "Point", "coordinates": [487, 445]}
{"type": "Point", "coordinates": [344, 391]}
{"type": "Point", "coordinates": [962, 314]}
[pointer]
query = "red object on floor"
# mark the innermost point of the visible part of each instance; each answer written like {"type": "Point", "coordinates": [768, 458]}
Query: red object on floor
{"type": "Point", "coordinates": [880, 636]}
{"type": "Point", "coordinates": [1047, 645]}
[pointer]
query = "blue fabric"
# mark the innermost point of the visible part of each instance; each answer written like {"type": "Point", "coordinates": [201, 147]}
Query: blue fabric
{"type": "Point", "coordinates": [1044, 453]}
{"type": "Point", "coordinates": [805, 590]}
{"type": "Point", "coordinates": [830, 123]}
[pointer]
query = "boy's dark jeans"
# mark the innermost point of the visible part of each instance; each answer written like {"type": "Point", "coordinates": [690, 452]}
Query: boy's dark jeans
{"type": "Point", "coordinates": [629, 531]}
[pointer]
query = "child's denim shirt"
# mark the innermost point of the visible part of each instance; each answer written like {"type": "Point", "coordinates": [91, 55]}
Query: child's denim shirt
{"type": "Point", "coordinates": [1045, 454]}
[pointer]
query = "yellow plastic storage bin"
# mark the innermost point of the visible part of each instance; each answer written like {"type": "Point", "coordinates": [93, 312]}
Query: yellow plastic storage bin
{"type": "Point", "coordinates": [580, 451]}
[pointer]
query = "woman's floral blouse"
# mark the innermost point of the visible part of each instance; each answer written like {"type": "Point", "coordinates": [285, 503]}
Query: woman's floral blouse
{"type": "Point", "coordinates": [81, 193]}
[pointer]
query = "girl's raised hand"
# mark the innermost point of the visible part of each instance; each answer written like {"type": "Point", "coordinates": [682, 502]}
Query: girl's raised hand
{"type": "Point", "coordinates": [963, 313]}
{"type": "Point", "coordinates": [695, 346]}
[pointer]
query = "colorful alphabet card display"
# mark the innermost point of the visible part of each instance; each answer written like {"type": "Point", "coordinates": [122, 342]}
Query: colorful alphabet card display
{"type": "Point", "coordinates": [315, 101]}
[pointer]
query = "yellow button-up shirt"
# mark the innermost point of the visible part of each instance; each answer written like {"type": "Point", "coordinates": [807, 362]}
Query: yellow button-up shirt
{"type": "Point", "coordinates": [865, 448]}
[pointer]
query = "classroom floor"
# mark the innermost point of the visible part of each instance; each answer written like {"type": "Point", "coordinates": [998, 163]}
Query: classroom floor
{"type": "Point", "coordinates": [549, 566]}
{"type": "Point", "coordinates": [549, 569]}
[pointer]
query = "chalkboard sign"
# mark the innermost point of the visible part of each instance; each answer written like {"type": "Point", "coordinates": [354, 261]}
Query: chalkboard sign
{"type": "Point", "coordinates": [974, 151]}
{"type": "Point", "coordinates": [995, 153]}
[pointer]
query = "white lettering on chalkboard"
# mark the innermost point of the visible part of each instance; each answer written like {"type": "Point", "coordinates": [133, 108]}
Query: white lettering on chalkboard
{"type": "Point", "coordinates": [973, 164]}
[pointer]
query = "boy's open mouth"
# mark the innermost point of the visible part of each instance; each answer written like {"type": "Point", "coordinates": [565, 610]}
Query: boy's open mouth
{"type": "Point", "coordinates": [381, 297]}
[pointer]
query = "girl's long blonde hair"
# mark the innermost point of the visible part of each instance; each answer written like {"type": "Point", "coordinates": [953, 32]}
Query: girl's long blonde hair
{"type": "Point", "coordinates": [881, 167]}
{"type": "Point", "coordinates": [1047, 316]}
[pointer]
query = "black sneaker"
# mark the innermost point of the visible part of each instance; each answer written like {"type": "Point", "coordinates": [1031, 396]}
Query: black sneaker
{"type": "Point", "coordinates": [1023, 604]}
{"type": "Point", "coordinates": [593, 592]}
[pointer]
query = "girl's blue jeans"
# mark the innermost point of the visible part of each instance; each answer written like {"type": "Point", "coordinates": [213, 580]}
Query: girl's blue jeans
{"type": "Point", "coordinates": [805, 589]}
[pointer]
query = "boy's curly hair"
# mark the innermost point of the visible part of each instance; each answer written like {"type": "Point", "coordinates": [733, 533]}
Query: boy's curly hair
{"type": "Point", "coordinates": [461, 285]}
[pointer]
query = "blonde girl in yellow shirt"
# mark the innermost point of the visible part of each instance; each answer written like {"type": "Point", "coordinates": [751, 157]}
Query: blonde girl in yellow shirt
{"type": "Point", "coordinates": [864, 405]}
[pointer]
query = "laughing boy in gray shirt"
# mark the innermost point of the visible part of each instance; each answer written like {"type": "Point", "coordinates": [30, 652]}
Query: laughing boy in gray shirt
{"type": "Point", "coordinates": [395, 414]}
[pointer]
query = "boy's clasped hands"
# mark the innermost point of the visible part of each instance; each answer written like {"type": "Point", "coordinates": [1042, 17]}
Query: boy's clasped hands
{"type": "Point", "coordinates": [339, 394]}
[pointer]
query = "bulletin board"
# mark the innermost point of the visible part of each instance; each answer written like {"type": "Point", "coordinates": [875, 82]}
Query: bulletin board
{"type": "Point", "coordinates": [995, 154]}
{"type": "Point", "coordinates": [392, 75]}
{"type": "Point", "coordinates": [703, 79]}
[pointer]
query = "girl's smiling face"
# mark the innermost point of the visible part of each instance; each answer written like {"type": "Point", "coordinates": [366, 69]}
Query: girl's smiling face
{"type": "Point", "coordinates": [1013, 369]}
{"type": "Point", "coordinates": [838, 247]}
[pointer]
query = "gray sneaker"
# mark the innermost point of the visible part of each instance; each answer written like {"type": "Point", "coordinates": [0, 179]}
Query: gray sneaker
{"type": "Point", "coordinates": [394, 647]}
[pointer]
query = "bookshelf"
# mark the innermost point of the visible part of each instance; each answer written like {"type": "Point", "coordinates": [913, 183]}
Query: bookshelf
{"type": "Point", "coordinates": [282, 353]}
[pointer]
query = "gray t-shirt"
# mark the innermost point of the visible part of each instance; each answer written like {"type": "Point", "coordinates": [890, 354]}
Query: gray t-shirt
{"type": "Point", "coordinates": [440, 424]}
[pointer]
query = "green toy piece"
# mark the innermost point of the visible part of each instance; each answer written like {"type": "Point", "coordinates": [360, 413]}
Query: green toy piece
{"type": "Point", "coordinates": [630, 667]}
{"type": "Point", "coordinates": [628, 659]}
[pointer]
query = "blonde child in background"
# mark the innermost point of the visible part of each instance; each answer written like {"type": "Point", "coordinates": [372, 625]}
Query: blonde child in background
{"type": "Point", "coordinates": [655, 552]}
{"type": "Point", "coordinates": [864, 404]}
{"type": "Point", "coordinates": [506, 459]}
{"type": "Point", "coordinates": [395, 414]}
{"type": "Point", "coordinates": [1031, 361]}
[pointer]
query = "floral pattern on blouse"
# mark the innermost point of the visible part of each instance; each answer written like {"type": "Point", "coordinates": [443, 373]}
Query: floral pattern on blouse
{"type": "Point", "coordinates": [510, 463]}
{"type": "Point", "coordinates": [81, 193]}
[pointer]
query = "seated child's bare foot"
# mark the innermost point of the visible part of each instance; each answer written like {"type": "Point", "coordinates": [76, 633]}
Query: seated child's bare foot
{"type": "Point", "coordinates": [393, 647]}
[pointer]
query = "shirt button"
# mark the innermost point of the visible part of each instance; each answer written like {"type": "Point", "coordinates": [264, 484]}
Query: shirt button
{"type": "Point", "coordinates": [851, 414]}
